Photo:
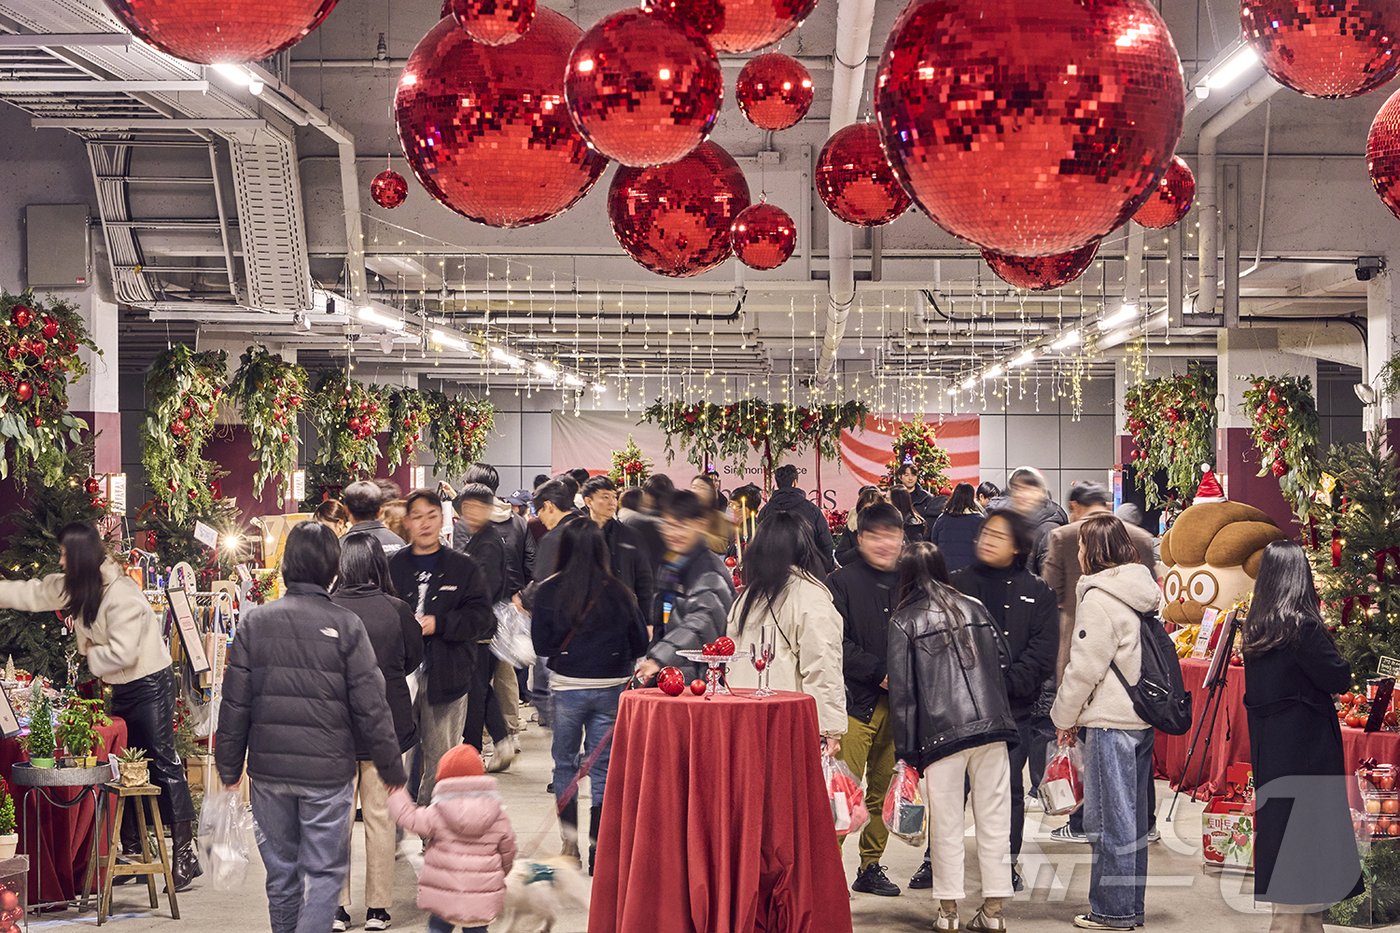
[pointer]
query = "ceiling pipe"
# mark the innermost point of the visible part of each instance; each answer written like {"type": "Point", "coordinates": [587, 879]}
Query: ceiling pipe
{"type": "Point", "coordinates": [854, 19]}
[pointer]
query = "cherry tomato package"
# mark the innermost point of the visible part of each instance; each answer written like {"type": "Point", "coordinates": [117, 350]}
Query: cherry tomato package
{"type": "Point", "coordinates": [847, 798]}
{"type": "Point", "coordinates": [904, 812]}
{"type": "Point", "coordinates": [1062, 788]}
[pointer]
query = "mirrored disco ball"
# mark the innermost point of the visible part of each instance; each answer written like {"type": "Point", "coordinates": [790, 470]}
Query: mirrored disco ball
{"type": "Point", "coordinates": [1171, 200]}
{"type": "Point", "coordinates": [738, 25]}
{"type": "Point", "coordinates": [774, 91]}
{"type": "Point", "coordinates": [213, 32]}
{"type": "Point", "coordinates": [1042, 273]}
{"type": "Point", "coordinates": [1325, 48]}
{"type": "Point", "coordinates": [855, 180]}
{"type": "Point", "coordinates": [1383, 153]}
{"type": "Point", "coordinates": [764, 236]}
{"type": "Point", "coordinates": [494, 22]}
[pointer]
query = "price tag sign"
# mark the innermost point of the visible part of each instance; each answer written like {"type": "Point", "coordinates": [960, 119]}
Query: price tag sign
{"type": "Point", "coordinates": [206, 535]}
{"type": "Point", "coordinates": [1203, 636]}
{"type": "Point", "coordinates": [189, 631]}
{"type": "Point", "coordinates": [1388, 667]}
{"type": "Point", "coordinates": [9, 723]}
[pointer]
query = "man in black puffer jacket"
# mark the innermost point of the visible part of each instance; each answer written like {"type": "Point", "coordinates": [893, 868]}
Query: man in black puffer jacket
{"type": "Point", "coordinates": [631, 563]}
{"type": "Point", "coordinates": [301, 690]}
{"type": "Point", "coordinates": [788, 498]}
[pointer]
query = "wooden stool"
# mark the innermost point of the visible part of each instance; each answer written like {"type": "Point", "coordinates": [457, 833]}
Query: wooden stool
{"type": "Point", "coordinates": [145, 796]}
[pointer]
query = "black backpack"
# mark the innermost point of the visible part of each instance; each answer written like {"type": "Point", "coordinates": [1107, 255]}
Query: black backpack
{"type": "Point", "coordinates": [1160, 697]}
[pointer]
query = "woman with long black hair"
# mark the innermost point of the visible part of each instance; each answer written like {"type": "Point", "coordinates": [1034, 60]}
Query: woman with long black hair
{"type": "Point", "coordinates": [588, 624]}
{"type": "Point", "coordinates": [916, 527]}
{"type": "Point", "coordinates": [955, 530]}
{"type": "Point", "coordinates": [1304, 851]}
{"type": "Point", "coordinates": [121, 639]}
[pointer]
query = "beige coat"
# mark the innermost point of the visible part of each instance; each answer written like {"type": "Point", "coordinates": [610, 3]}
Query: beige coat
{"type": "Point", "coordinates": [807, 647]}
{"type": "Point", "coordinates": [124, 643]}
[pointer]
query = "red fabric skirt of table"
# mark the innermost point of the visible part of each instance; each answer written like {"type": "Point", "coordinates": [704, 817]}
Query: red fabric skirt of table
{"type": "Point", "coordinates": [716, 820]}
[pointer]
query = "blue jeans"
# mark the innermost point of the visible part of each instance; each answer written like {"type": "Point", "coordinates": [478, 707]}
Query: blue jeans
{"type": "Point", "coordinates": [438, 925]}
{"type": "Point", "coordinates": [540, 694]}
{"type": "Point", "coordinates": [305, 846]}
{"type": "Point", "coordinates": [1117, 813]}
{"type": "Point", "coordinates": [583, 717]}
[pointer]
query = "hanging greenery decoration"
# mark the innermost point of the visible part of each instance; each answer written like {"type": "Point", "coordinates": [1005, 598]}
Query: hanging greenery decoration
{"type": "Point", "coordinates": [461, 428]}
{"type": "Point", "coordinates": [323, 481]}
{"type": "Point", "coordinates": [348, 417]}
{"type": "Point", "coordinates": [40, 359]}
{"type": "Point", "coordinates": [409, 414]}
{"type": "Point", "coordinates": [707, 432]}
{"type": "Point", "coordinates": [1171, 420]}
{"type": "Point", "coordinates": [182, 392]}
{"type": "Point", "coordinates": [1284, 424]}
{"type": "Point", "coordinates": [269, 393]}
{"type": "Point", "coordinates": [916, 443]}
{"type": "Point", "coordinates": [173, 538]}
{"type": "Point", "coordinates": [630, 467]}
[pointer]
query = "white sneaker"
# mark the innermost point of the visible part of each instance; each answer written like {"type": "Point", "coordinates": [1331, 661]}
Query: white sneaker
{"type": "Point", "coordinates": [341, 922]}
{"type": "Point", "coordinates": [1154, 835]}
{"type": "Point", "coordinates": [503, 756]}
{"type": "Point", "coordinates": [1065, 834]}
{"type": "Point", "coordinates": [1033, 804]}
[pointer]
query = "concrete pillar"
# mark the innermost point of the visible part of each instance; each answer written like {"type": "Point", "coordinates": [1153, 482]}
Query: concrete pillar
{"type": "Point", "coordinates": [94, 397]}
{"type": "Point", "coordinates": [1245, 352]}
{"type": "Point", "coordinates": [1382, 343]}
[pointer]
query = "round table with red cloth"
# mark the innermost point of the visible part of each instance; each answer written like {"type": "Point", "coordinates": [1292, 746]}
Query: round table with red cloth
{"type": "Point", "coordinates": [716, 820]}
{"type": "Point", "coordinates": [1230, 739]}
{"type": "Point", "coordinates": [59, 873]}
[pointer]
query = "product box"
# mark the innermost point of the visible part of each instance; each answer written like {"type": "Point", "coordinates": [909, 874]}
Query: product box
{"type": "Point", "coordinates": [1227, 825]}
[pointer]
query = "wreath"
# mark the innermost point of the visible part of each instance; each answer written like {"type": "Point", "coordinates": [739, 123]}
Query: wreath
{"type": "Point", "coordinates": [348, 416]}
{"type": "Point", "coordinates": [409, 414]}
{"type": "Point", "coordinates": [630, 467]}
{"type": "Point", "coordinates": [1284, 424]}
{"type": "Point", "coordinates": [460, 431]}
{"type": "Point", "coordinates": [916, 443]}
{"type": "Point", "coordinates": [269, 392]}
{"type": "Point", "coordinates": [729, 432]}
{"type": "Point", "coordinates": [41, 341]}
{"type": "Point", "coordinates": [182, 391]}
{"type": "Point", "coordinates": [1171, 421]}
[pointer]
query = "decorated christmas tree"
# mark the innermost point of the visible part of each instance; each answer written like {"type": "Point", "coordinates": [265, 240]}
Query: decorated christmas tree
{"type": "Point", "coordinates": [630, 466]}
{"type": "Point", "coordinates": [40, 741]}
{"type": "Point", "coordinates": [917, 444]}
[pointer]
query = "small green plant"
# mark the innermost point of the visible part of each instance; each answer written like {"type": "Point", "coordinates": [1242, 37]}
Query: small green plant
{"type": "Point", "coordinates": [7, 812]}
{"type": "Point", "coordinates": [40, 742]}
{"type": "Point", "coordinates": [77, 725]}
{"type": "Point", "coordinates": [132, 755]}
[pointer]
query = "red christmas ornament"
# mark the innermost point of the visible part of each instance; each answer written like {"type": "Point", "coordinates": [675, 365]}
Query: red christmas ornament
{"type": "Point", "coordinates": [494, 22]}
{"type": "Point", "coordinates": [671, 681]}
{"type": "Point", "coordinates": [764, 236]}
{"type": "Point", "coordinates": [22, 316]}
{"type": "Point", "coordinates": [738, 25]}
{"type": "Point", "coordinates": [389, 189]}
{"type": "Point", "coordinates": [91, 486]}
{"type": "Point", "coordinates": [855, 180]}
{"type": "Point", "coordinates": [512, 157]}
{"type": "Point", "coordinates": [643, 89]}
{"type": "Point", "coordinates": [214, 32]}
{"type": "Point", "coordinates": [1030, 128]}
{"type": "Point", "coordinates": [1325, 48]}
{"type": "Point", "coordinates": [1171, 200]}
{"type": "Point", "coordinates": [774, 91]}
{"type": "Point", "coordinates": [731, 562]}
{"type": "Point", "coordinates": [724, 646]}
{"type": "Point", "coordinates": [1279, 467]}
{"type": "Point", "coordinates": [675, 219]}
{"type": "Point", "coordinates": [24, 391]}
{"type": "Point", "coordinates": [50, 327]}
{"type": "Point", "coordinates": [697, 687]}
{"type": "Point", "coordinates": [1383, 153]}
{"type": "Point", "coordinates": [1042, 273]}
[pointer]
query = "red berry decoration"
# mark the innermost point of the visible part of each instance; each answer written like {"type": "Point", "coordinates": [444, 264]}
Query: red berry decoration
{"type": "Point", "coordinates": [1279, 467]}
{"type": "Point", "coordinates": [1172, 198]}
{"type": "Point", "coordinates": [774, 91]}
{"type": "Point", "coordinates": [24, 391]}
{"type": "Point", "coordinates": [494, 22]}
{"type": "Point", "coordinates": [1325, 48]}
{"type": "Point", "coordinates": [389, 189]}
{"type": "Point", "coordinates": [671, 681]}
{"type": "Point", "coordinates": [724, 646]}
{"type": "Point", "coordinates": [855, 180]}
{"type": "Point", "coordinates": [1042, 273]}
{"type": "Point", "coordinates": [697, 687]}
{"type": "Point", "coordinates": [764, 236]}
{"type": "Point", "coordinates": [214, 32]}
{"type": "Point", "coordinates": [22, 316]}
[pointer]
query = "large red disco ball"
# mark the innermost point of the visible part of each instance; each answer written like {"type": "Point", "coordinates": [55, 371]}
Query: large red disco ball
{"type": "Point", "coordinates": [485, 128]}
{"type": "Point", "coordinates": [1383, 153]}
{"type": "Point", "coordinates": [738, 25]}
{"type": "Point", "coordinates": [1325, 48]}
{"type": "Point", "coordinates": [764, 236]}
{"type": "Point", "coordinates": [494, 22]}
{"type": "Point", "coordinates": [855, 181]}
{"type": "Point", "coordinates": [1030, 128]}
{"type": "Point", "coordinates": [389, 189]}
{"type": "Point", "coordinates": [1042, 273]}
{"type": "Point", "coordinates": [1171, 199]}
{"type": "Point", "coordinates": [774, 91]}
{"type": "Point", "coordinates": [675, 219]}
{"type": "Point", "coordinates": [215, 32]}
{"type": "Point", "coordinates": [643, 89]}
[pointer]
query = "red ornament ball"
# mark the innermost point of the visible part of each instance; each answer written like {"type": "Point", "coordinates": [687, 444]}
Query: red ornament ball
{"type": "Point", "coordinates": [1171, 200]}
{"type": "Point", "coordinates": [643, 89]}
{"type": "Point", "coordinates": [494, 22]}
{"type": "Point", "coordinates": [731, 562]}
{"type": "Point", "coordinates": [50, 327]}
{"type": "Point", "coordinates": [9, 901]}
{"type": "Point", "coordinates": [24, 391]}
{"type": "Point", "coordinates": [214, 32]}
{"type": "Point", "coordinates": [1325, 48]}
{"type": "Point", "coordinates": [485, 129]}
{"type": "Point", "coordinates": [1042, 273]}
{"type": "Point", "coordinates": [91, 486]}
{"type": "Point", "coordinates": [22, 316]}
{"type": "Point", "coordinates": [389, 189]}
{"type": "Point", "coordinates": [697, 687]}
{"type": "Point", "coordinates": [738, 25]}
{"type": "Point", "coordinates": [675, 219]}
{"type": "Point", "coordinates": [774, 91]}
{"type": "Point", "coordinates": [724, 646]}
{"type": "Point", "coordinates": [855, 180]}
{"type": "Point", "coordinates": [1030, 128]}
{"type": "Point", "coordinates": [671, 681]}
{"type": "Point", "coordinates": [764, 236]}
{"type": "Point", "coordinates": [1383, 153]}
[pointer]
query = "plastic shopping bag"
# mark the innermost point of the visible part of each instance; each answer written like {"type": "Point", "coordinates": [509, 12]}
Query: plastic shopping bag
{"type": "Point", "coordinates": [905, 813]}
{"type": "Point", "coordinates": [847, 798]}
{"type": "Point", "coordinates": [512, 642]}
{"type": "Point", "coordinates": [1062, 787]}
{"type": "Point", "coordinates": [226, 834]}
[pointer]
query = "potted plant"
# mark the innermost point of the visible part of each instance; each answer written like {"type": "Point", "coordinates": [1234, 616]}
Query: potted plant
{"type": "Point", "coordinates": [77, 729]}
{"type": "Point", "coordinates": [40, 741]}
{"type": "Point", "coordinates": [135, 767]}
{"type": "Point", "coordinates": [9, 839]}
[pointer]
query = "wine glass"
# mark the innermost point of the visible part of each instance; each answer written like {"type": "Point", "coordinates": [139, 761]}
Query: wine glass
{"type": "Point", "coordinates": [761, 655]}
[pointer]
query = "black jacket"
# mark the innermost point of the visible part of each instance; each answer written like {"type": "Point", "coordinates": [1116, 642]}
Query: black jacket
{"type": "Point", "coordinates": [793, 499]}
{"type": "Point", "coordinates": [946, 687]}
{"type": "Point", "coordinates": [1030, 623]}
{"type": "Point", "coordinates": [457, 597]}
{"type": "Point", "coordinates": [605, 643]}
{"type": "Point", "coordinates": [915, 530]}
{"type": "Point", "coordinates": [865, 597]}
{"type": "Point", "coordinates": [700, 592]}
{"type": "Point", "coordinates": [398, 647]}
{"type": "Point", "coordinates": [927, 504]}
{"type": "Point", "coordinates": [631, 563]}
{"type": "Point", "coordinates": [302, 691]}
{"type": "Point", "coordinates": [1043, 521]}
{"type": "Point", "coordinates": [377, 530]}
{"type": "Point", "coordinates": [648, 528]}
{"type": "Point", "coordinates": [547, 558]}
{"type": "Point", "coordinates": [489, 552]}
{"type": "Point", "coordinates": [956, 537]}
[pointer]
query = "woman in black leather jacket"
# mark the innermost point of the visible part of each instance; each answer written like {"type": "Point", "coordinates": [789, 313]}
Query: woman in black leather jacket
{"type": "Point", "coordinates": [952, 722]}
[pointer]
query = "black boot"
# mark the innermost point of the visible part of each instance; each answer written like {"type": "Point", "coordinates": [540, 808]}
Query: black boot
{"type": "Point", "coordinates": [186, 866]}
{"type": "Point", "coordinates": [131, 849]}
{"type": "Point", "coordinates": [595, 820]}
{"type": "Point", "coordinates": [568, 829]}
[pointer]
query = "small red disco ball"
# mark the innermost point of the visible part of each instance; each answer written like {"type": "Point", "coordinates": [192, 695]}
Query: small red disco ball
{"type": "Point", "coordinates": [774, 91]}
{"type": "Point", "coordinates": [1030, 128]}
{"type": "Point", "coordinates": [764, 236]}
{"type": "Point", "coordinates": [1172, 198]}
{"type": "Point", "coordinates": [389, 189]}
{"type": "Point", "coordinates": [643, 89]}
{"type": "Point", "coordinates": [216, 32]}
{"type": "Point", "coordinates": [494, 22]}
{"type": "Point", "coordinates": [1383, 153]}
{"type": "Point", "coordinates": [738, 25]}
{"type": "Point", "coordinates": [1042, 273]}
{"type": "Point", "coordinates": [855, 180]}
{"type": "Point", "coordinates": [1325, 48]}
{"type": "Point", "coordinates": [675, 219]}
{"type": "Point", "coordinates": [485, 129]}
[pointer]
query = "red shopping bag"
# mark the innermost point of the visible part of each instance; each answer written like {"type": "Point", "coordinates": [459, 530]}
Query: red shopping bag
{"type": "Point", "coordinates": [904, 812]}
{"type": "Point", "coordinates": [1062, 788]}
{"type": "Point", "coordinates": [847, 798]}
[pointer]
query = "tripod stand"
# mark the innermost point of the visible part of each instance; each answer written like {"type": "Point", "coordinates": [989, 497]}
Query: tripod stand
{"type": "Point", "coordinates": [1217, 676]}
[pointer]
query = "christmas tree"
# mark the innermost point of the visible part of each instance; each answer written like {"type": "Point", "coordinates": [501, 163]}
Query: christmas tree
{"type": "Point", "coordinates": [631, 467]}
{"type": "Point", "coordinates": [40, 739]}
{"type": "Point", "coordinates": [917, 444]}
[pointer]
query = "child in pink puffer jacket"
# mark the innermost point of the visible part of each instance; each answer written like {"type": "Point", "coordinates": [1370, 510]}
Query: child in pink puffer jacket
{"type": "Point", "coordinates": [469, 845]}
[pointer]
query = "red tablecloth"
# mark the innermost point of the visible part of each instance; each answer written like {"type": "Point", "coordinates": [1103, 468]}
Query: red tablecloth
{"type": "Point", "coordinates": [716, 820]}
{"type": "Point", "coordinates": [67, 833]}
{"type": "Point", "coordinates": [1230, 739]}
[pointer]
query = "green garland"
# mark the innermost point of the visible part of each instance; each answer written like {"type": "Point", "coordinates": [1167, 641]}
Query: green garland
{"type": "Point", "coordinates": [348, 417]}
{"type": "Point", "coordinates": [917, 443]}
{"type": "Point", "coordinates": [1172, 424]}
{"type": "Point", "coordinates": [461, 428]}
{"type": "Point", "coordinates": [1284, 424]}
{"type": "Point", "coordinates": [729, 432]}
{"type": "Point", "coordinates": [410, 413]}
{"type": "Point", "coordinates": [269, 393]}
{"type": "Point", "coordinates": [182, 392]}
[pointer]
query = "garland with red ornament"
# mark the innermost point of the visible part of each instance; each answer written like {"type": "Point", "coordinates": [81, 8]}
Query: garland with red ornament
{"type": "Point", "coordinates": [348, 417]}
{"type": "Point", "coordinates": [461, 428]}
{"type": "Point", "coordinates": [706, 432]}
{"type": "Point", "coordinates": [1171, 421]}
{"type": "Point", "coordinates": [182, 394]}
{"type": "Point", "coordinates": [916, 444]}
{"type": "Point", "coordinates": [1284, 424]}
{"type": "Point", "coordinates": [269, 393]}
{"type": "Point", "coordinates": [630, 467]}
{"type": "Point", "coordinates": [409, 414]}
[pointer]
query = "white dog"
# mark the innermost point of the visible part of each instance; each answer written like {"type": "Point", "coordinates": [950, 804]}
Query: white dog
{"type": "Point", "coordinates": [537, 890]}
